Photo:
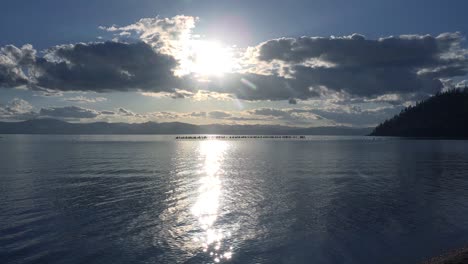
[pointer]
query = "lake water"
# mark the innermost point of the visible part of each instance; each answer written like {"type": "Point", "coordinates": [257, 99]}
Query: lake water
{"type": "Point", "coordinates": [152, 199]}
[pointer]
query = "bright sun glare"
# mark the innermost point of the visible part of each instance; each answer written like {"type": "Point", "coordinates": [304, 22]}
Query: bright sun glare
{"type": "Point", "coordinates": [209, 58]}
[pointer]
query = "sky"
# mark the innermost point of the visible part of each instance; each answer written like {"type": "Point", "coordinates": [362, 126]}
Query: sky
{"type": "Point", "coordinates": [294, 63]}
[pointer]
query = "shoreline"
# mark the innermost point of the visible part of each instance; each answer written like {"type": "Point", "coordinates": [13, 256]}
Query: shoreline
{"type": "Point", "coordinates": [457, 256]}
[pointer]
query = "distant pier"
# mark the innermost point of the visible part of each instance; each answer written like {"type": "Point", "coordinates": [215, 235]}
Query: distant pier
{"type": "Point", "coordinates": [238, 137]}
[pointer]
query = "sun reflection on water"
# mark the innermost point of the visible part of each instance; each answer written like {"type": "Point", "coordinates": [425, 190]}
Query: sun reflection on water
{"type": "Point", "coordinates": [206, 208]}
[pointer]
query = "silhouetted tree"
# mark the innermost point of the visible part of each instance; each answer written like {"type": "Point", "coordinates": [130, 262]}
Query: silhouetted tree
{"type": "Point", "coordinates": [442, 115]}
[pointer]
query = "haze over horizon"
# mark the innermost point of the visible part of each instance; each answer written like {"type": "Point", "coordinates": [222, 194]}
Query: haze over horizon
{"type": "Point", "coordinates": [207, 62]}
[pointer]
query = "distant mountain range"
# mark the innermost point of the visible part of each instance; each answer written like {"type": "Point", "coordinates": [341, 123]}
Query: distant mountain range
{"type": "Point", "coordinates": [442, 115]}
{"type": "Point", "coordinates": [54, 126]}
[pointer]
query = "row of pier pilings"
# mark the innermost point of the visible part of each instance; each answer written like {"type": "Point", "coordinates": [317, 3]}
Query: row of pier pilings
{"type": "Point", "coordinates": [240, 137]}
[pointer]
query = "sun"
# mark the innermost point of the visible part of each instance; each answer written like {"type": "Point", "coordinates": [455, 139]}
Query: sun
{"type": "Point", "coordinates": [210, 58]}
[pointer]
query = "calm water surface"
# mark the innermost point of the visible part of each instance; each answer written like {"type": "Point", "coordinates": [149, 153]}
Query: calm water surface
{"type": "Point", "coordinates": [151, 199]}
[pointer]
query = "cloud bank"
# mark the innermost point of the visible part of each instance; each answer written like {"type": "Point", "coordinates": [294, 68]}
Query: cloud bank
{"type": "Point", "coordinates": [146, 55]}
{"type": "Point", "coordinates": [19, 109]}
{"type": "Point", "coordinates": [364, 67]}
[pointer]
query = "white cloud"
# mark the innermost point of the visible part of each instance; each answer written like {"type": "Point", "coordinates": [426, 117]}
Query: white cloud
{"type": "Point", "coordinates": [83, 99]}
{"type": "Point", "coordinates": [167, 35]}
{"type": "Point", "coordinates": [72, 112]}
{"type": "Point", "coordinates": [17, 109]}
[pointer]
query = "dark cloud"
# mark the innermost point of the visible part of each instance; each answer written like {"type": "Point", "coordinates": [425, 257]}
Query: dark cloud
{"type": "Point", "coordinates": [219, 114]}
{"type": "Point", "coordinates": [68, 112]}
{"type": "Point", "coordinates": [107, 112]}
{"type": "Point", "coordinates": [357, 51]}
{"type": "Point", "coordinates": [364, 67]}
{"type": "Point", "coordinates": [178, 94]}
{"type": "Point", "coordinates": [250, 86]}
{"type": "Point", "coordinates": [108, 66]}
{"type": "Point", "coordinates": [125, 112]}
{"type": "Point", "coordinates": [367, 82]}
{"type": "Point", "coordinates": [281, 69]}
